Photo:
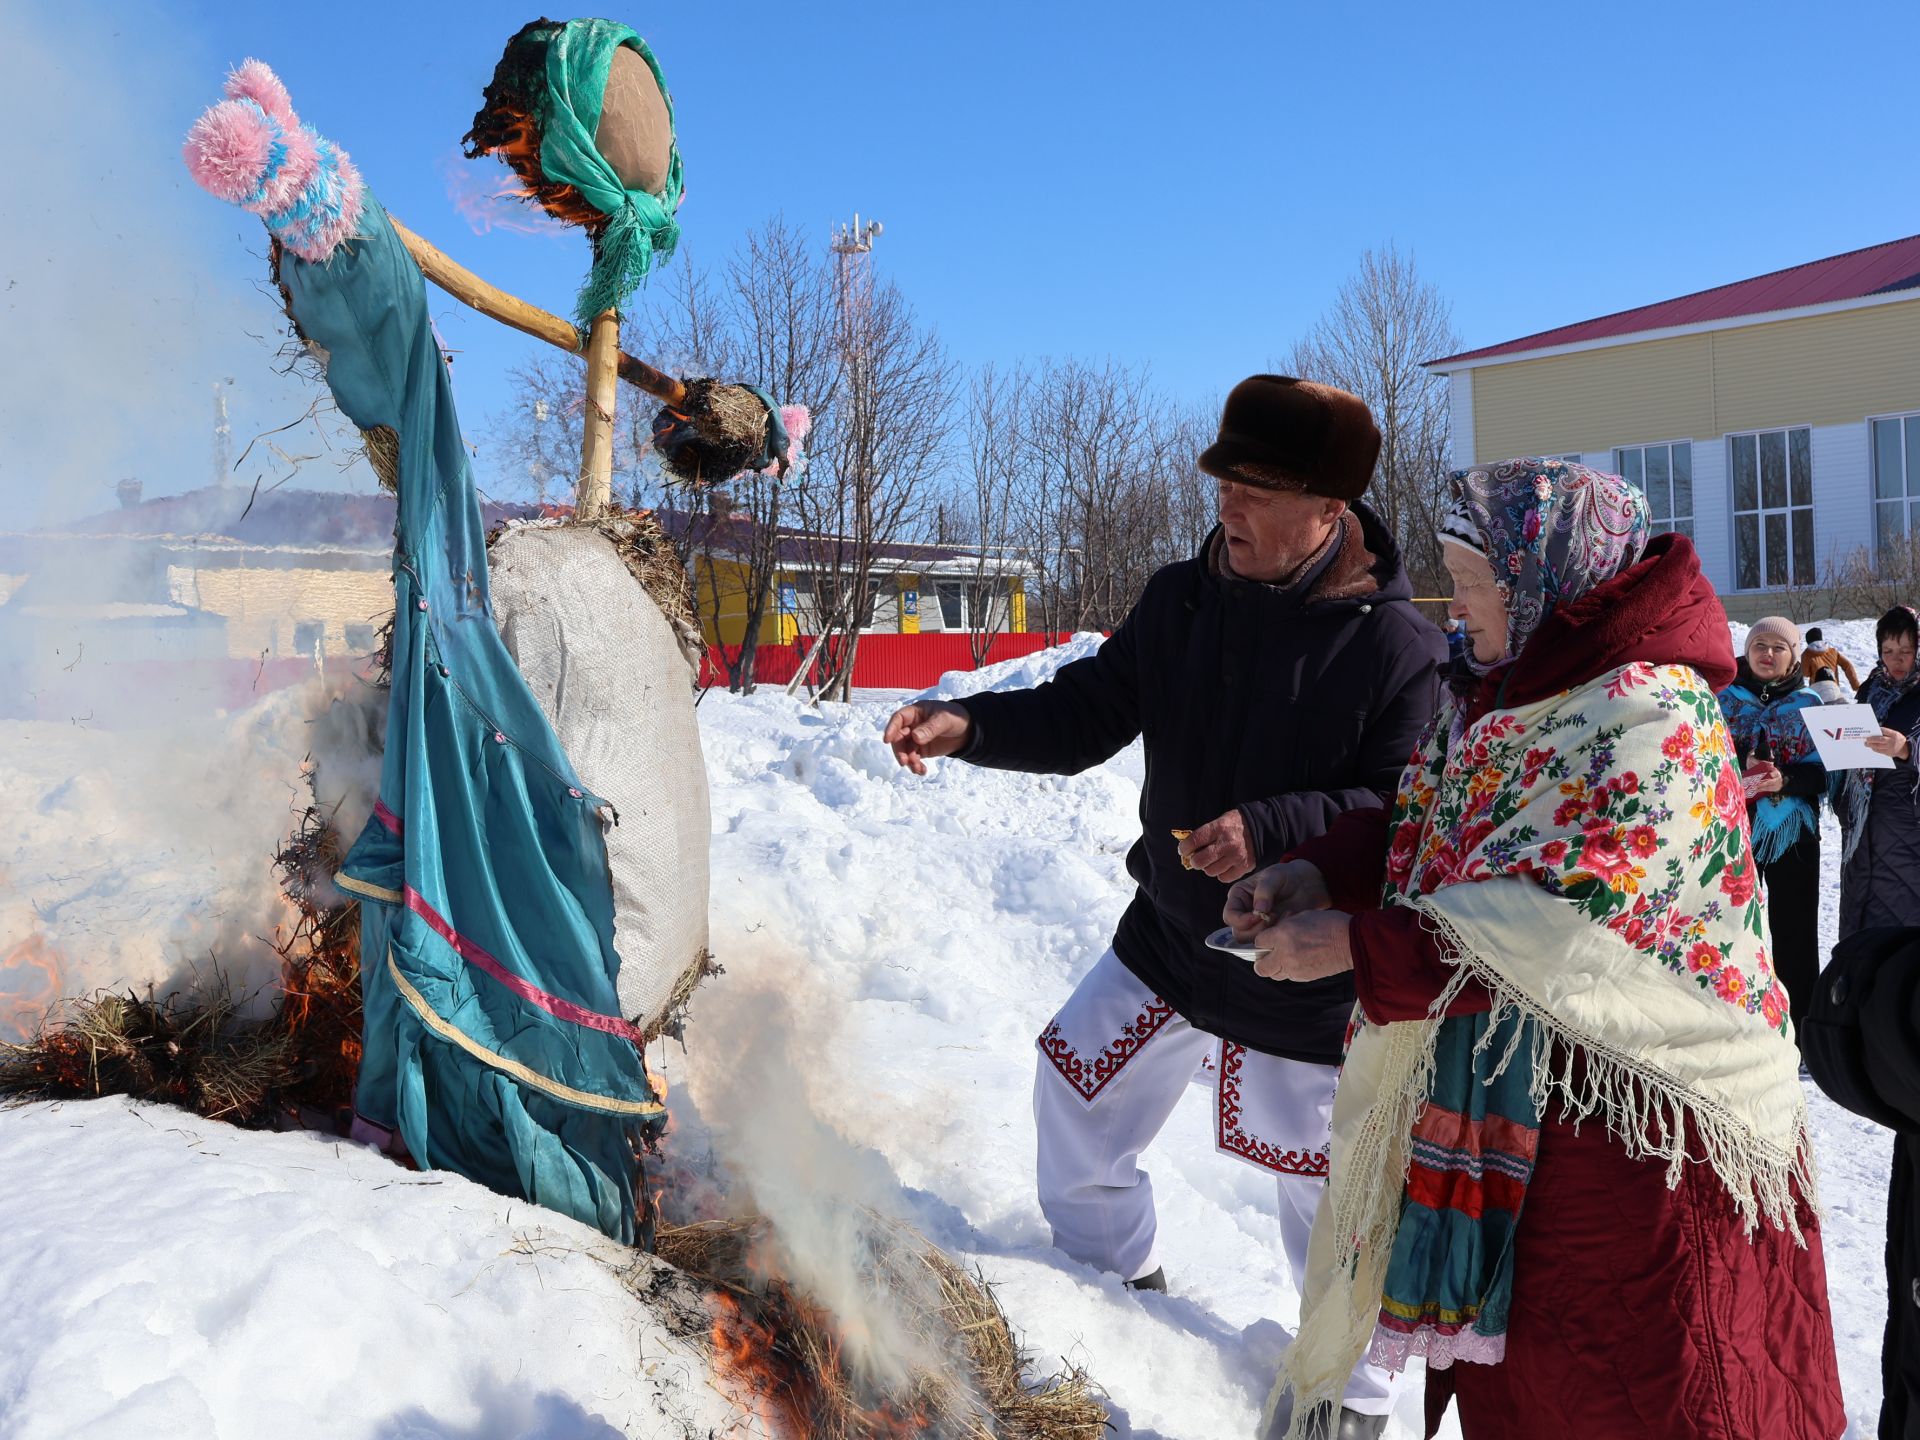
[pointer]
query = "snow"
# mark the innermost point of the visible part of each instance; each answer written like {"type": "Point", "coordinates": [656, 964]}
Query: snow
{"type": "Point", "coordinates": [192, 1279]}
{"type": "Point", "coordinates": [892, 945]}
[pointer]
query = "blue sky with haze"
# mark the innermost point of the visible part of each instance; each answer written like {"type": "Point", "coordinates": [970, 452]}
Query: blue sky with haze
{"type": "Point", "coordinates": [1176, 186]}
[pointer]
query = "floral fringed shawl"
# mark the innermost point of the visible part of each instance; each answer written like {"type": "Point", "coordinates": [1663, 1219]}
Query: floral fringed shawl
{"type": "Point", "coordinates": [1587, 860]}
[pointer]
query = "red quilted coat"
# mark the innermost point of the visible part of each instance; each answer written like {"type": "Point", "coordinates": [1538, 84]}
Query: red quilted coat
{"type": "Point", "coordinates": [1639, 1312]}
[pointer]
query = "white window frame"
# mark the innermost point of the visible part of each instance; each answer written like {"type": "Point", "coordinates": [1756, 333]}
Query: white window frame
{"type": "Point", "coordinates": [966, 617]}
{"type": "Point", "coordinates": [1910, 467]}
{"type": "Point", "coordinates": [877, 589]}
{"type": "Point", "coordinates": [1674, 521]}
{"type": "Point", "coordinates": [1763, 510]}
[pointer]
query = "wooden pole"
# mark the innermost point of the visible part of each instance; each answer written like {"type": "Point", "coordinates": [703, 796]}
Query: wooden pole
{"type": "Point", "coordinates": [470, 290]}
{"type": "Point", "coordinates": [595, 490]}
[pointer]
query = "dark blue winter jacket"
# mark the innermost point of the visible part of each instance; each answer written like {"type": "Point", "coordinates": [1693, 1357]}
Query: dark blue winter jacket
{"type": "Point", "coordinates": [1291, 705]}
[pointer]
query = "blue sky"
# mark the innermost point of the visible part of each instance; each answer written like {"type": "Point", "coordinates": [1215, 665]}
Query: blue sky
{"type": "Point", "coordinates": [1177, 186]}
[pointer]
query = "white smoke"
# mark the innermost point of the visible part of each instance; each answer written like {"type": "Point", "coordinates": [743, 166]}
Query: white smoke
{"type": "Point", "coordinates": [125, 292]}
{"type": "Point", "coordinates": [757, 1059]}
{"type": "Point", "coordinates": [137, 822]}
{"type": "Point", "coordinates": [144, 857]}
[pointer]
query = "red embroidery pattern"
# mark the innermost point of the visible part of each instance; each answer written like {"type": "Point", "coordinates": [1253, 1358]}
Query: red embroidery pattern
{"type": "Point", "coordinates": [1236, 1140]}
{"type": "Point", "coordinates": [1091, 1077]}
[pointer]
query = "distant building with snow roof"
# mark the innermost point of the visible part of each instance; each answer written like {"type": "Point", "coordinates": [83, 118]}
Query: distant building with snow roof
{"type": "Point", "coordinates": [916, 588]}
{"type": "Point", "coordinates": [292, 573]}
{"type": "Point", "coordinates": [1775, 420]}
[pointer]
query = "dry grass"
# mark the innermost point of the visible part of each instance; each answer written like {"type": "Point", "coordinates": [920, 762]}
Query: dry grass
{"type": "Point", "coordinates": [381, 446]}
{"type": "Point", "coordinates": [788, 1350]}
{"type": "Point", "coordinates": [189, 1051]}
{"type": "Point", "coordinates": [730, 433]}
{"type": "Point", "coordinates": [649, 556]}
{"type": "Point", "coordinates": [195, 1049]}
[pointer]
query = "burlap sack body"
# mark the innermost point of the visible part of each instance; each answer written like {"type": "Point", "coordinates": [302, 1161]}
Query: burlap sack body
{"type": "Point", "coordinates": [610, 672]}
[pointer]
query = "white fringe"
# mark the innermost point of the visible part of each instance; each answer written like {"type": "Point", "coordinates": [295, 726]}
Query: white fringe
{"type": "Point", "coordinates": [1652, 1113]}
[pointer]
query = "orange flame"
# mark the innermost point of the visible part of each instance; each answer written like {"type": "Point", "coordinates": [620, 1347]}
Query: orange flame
{"type": "Point", "coordinates": [29, 984]}
{"type": "Point", "coordinates": [779, 1383]}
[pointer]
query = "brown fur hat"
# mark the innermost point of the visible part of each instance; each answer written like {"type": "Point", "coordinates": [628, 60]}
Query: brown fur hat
{"type": "Point", "coordinates": [1279, 433]}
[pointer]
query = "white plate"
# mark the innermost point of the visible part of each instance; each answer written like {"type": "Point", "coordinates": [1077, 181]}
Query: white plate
{"type": "Point", "coordinates": [1222, 940]}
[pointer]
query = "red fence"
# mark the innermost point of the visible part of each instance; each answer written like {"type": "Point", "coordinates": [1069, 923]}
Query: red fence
{"type": "Point", "coordinates": [883, 662]}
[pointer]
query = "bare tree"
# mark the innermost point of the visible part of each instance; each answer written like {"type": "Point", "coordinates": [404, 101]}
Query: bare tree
{"type": "Point", "coordinates": [876, 452]}
{"type": "Point", "coordinates": [1867, 583]}
{"type": "Point", "coordinates": [1192, 501]}
{"type": "Point", "coordinates": [1383, 323]}
{"type": "Point", "coordinates": [769, 324]}
{"type": "Point", "coordinates": [1092, 519]}
{"type": "Point", "coordinates": [995, 406]}
{"type": "Point", "coordinates": [538, 436]}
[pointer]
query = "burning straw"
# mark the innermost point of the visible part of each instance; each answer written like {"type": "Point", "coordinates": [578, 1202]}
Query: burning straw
{"type": "Point", "coordinates": [791, 1356]}
{"type": "Point", "coordinates": [197, 1048]}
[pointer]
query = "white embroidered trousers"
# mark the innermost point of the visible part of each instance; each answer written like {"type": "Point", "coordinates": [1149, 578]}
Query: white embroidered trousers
{"type": "Point", "coordinates": [1113, 1064]}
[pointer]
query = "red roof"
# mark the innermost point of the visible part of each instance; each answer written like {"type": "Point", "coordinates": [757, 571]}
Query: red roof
{"type": "Point", "coordinates": [1877, 270]}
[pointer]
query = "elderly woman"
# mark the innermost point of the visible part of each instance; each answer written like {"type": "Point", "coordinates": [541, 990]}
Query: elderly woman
{"type": "Point", "coordinates": [1560, 923]}
{"type": "Point", "coordinates": [1880, 809]}
{"type": "Point", "coordinates": [1765, 708]}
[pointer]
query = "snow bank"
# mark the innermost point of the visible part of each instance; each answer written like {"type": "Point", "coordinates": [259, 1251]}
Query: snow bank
{"type": "Point", "coordinates": [1852, 638]}
{"type": "Point", "coordinates": [187, 1279]}
{"type": "Point", "coordinates": [1021, 674]}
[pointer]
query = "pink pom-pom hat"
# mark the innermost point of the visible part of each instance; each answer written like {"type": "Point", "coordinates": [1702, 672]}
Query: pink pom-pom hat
{"type": "Point", "coordinates": [252, 151]}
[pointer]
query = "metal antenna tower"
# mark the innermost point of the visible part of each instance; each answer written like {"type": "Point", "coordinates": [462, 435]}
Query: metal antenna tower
{"type": "Point", "coordinates": [222, 433]}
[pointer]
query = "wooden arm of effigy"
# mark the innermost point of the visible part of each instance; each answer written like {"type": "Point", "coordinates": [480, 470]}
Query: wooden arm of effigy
{"type": "Point", "coordinates": [470, 290]}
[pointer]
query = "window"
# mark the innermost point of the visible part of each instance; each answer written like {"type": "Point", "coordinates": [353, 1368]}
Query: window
{"type": "Point", "coordinates": [1665, 474]}
{"type": "Point", "coordinates": [968, 603]}
{"type": "Point", "coordinates": [360, 639]}
{"type": "Point", "coordinates": [1772, 508]}
{"type": "Point", "coordinates": [1896, 481]}
{"type": "Point", "coordinates": [987, 603]}
{"type": "Point", "coordinates": [307, 637]}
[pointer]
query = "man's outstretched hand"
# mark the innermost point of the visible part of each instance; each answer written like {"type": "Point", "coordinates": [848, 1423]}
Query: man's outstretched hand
{"type": "Point", "coordinates": [927, 730]}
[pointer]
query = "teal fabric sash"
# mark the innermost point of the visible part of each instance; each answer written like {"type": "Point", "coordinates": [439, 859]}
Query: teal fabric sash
{"type": "Point", "coordinates": [1474, 1145]}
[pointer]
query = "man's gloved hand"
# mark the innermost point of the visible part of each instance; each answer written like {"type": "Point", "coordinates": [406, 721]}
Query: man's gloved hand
{"type": "Point", "coordinates": [927, 730]}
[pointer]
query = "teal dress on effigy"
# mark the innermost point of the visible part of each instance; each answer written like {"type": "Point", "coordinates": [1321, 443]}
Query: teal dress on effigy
{"type": "Point", "coordinates": [493, 1040]}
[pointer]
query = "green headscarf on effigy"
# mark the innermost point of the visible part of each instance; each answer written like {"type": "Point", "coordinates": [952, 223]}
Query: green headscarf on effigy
{"type": "Point", "coordinates": [640, 227]}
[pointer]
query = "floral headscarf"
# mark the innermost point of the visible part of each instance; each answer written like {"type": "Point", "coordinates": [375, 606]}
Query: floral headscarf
{"type": "Point", "coordinates": [1551, 529]}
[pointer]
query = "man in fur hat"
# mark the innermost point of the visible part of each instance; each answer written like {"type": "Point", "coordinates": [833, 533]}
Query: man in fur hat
{"type": "Point", "coordinates": [1279, 677]}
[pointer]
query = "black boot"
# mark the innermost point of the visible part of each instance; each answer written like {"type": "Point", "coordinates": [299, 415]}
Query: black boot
{"type": "Point", "coordinates": [1156, 1281]}
{"type": "Point", "coordinates": [1315, 1428]}
{"type": "Point", "coordinates": [1323, 1424]}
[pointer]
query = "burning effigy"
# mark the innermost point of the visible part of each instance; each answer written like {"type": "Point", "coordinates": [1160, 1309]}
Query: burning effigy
{"type": "Point", "coordinates": [470, 978]}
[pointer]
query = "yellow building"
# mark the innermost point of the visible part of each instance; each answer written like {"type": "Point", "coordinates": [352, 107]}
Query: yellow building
{"type": "Point", "coordinates": [1776, 420]}
{"type": "Point", "coordinates": [921, 589]}
{"type": "Point", "coordinates": [291, 574]}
